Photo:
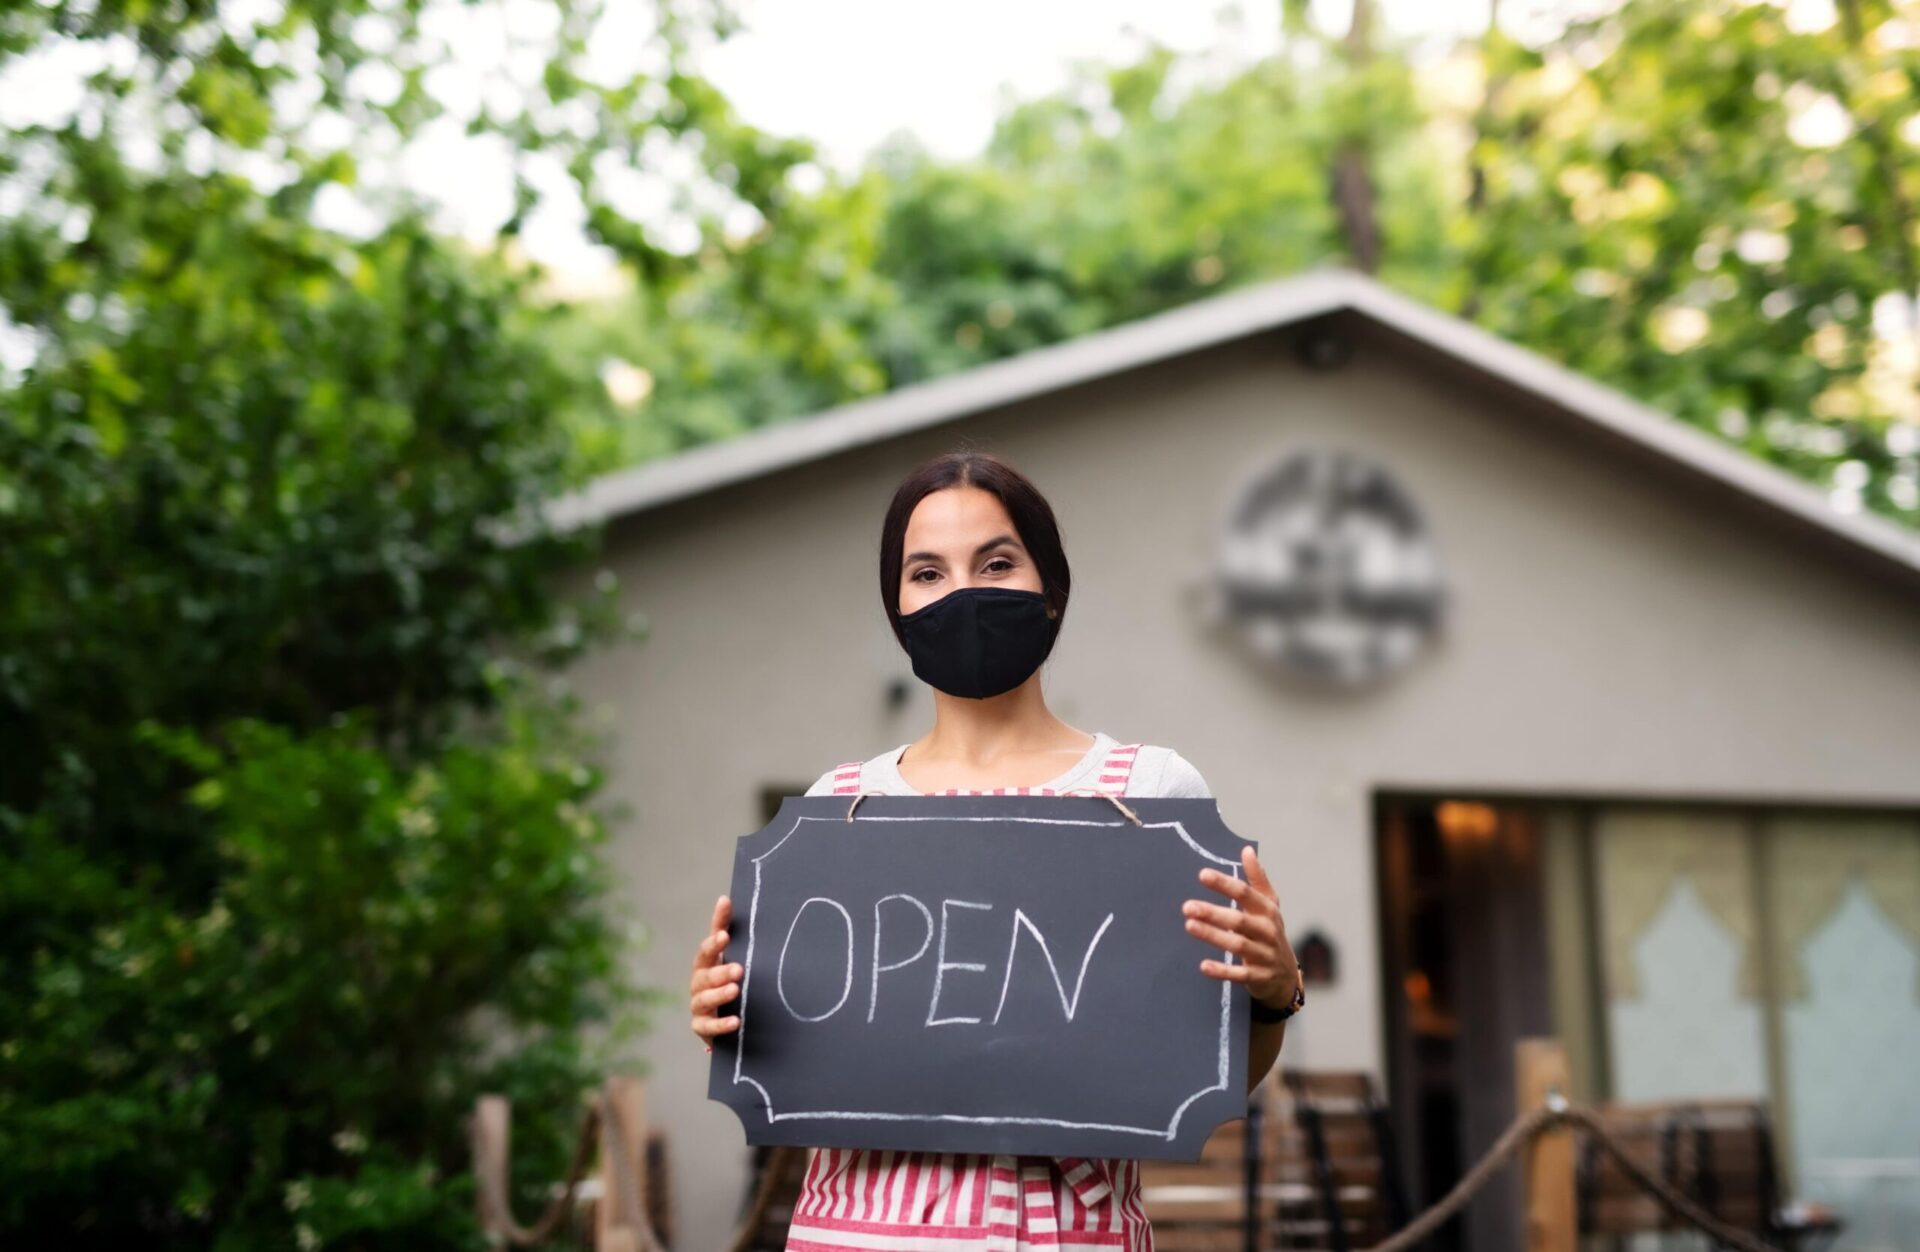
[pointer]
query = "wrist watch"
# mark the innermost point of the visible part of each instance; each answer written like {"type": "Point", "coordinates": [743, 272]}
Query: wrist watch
{"type": "Point", "coordinates": [1268, 1014]}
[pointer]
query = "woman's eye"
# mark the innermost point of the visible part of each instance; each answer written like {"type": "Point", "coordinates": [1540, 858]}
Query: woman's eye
{"type": "Point", "coordinates": [926, 570]}
{"type": "Point", "coordinates": [1000, 561]}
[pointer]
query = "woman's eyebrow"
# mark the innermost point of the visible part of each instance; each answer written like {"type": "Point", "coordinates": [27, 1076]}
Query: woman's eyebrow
{"type": "Point", "coordinates": [995, 542]}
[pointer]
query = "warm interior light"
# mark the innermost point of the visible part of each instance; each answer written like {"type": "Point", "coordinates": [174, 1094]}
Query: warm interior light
{"type": "Point", "coordinates": [1461, 819]}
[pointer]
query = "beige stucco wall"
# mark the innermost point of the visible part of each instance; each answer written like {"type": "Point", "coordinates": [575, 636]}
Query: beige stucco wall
{"type": "Point", "coordinates": [1613, 631]}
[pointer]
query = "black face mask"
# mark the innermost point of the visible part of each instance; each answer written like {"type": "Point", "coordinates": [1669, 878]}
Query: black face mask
{"type": "Point", "coordinates": [979, 641]}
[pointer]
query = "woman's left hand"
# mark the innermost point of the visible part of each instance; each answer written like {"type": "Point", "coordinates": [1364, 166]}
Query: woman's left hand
{"type": "Point", "coordinates": [1255, 933]}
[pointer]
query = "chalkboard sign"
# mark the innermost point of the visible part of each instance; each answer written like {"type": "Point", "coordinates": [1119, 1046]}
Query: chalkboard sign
{"type": "Point", "coordinates": [1006, 974]}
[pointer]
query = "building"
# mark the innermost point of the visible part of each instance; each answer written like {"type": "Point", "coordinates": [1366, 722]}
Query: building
{"type": "Point", "coordinates": [1585, 723]}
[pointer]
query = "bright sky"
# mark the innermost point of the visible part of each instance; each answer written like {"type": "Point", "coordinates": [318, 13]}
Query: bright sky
{"type": "Point", "coordinates": [847, 73]}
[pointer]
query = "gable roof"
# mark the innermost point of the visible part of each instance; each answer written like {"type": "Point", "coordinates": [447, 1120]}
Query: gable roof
{"type": "Point", "coordinates": [1204, 324]}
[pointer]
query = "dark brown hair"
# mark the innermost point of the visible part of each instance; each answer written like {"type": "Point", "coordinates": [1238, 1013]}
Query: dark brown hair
{"type": "Point", "coordinates": [1032, 518]}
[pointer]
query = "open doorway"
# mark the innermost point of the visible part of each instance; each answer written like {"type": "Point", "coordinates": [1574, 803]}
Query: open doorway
{"type": "Point", "coordinates": [1680, 950]}
{"type": "Point", "coordinates": [1466, 974]}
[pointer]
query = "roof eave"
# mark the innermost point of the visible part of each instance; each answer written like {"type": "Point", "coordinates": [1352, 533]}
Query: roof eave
{"type": "Point", "coordinates": [916, 407]}
{"type": "Point", "coordinates": [1629, 420]}
{"type": "Point", "coordinates": [1204, 324]}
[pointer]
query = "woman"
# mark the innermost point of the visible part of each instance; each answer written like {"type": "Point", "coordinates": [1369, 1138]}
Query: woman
{"type": "Point", "coordinates": [975, 582]}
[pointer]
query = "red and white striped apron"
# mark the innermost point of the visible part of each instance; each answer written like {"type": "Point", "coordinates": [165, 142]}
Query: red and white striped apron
{"type": "Point", "coordinates": [863, 1199]}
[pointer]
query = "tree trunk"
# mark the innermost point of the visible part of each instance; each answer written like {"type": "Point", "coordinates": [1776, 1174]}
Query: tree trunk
{"type": "Point", "coordinates": [1476, 170]}
{"type": "Point", "coordinates": [1353, 192]}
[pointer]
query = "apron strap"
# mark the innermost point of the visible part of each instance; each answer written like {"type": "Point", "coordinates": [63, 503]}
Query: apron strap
{"type": "Point", "coordinates": [1117, 769]}
{"type": "Point", "coordinates": [846, 779]}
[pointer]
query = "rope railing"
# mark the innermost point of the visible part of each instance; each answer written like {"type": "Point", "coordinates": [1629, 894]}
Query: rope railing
{"type": "Point", "coordinates": [635, 1232]}
{"type": "Point", "coordinates": [489, 1140]}
{"type": "Point", "coordinates": [630, 1227]}
{"type": "Point", "coordinates": [1554, 1115]}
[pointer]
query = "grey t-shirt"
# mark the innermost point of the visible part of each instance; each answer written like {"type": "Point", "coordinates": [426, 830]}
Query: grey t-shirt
{"type": "Point", "coordinates": [1158, 773]}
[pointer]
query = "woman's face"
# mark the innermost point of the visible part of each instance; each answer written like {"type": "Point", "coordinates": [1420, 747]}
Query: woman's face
{"type": "Point", "coordinates": [961, 537]}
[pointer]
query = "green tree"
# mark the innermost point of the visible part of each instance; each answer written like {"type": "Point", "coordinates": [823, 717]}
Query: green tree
{"type": "Point", "coordinates": [298, 850]}
{"type": "Point", "coordinates": [1705, 203]}
{"type": "Point", "coordinates": [1702, 204]}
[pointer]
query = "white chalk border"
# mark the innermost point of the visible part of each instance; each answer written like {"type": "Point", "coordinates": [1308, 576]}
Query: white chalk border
{"type": "Point", "coordinates": [1167, 1133]}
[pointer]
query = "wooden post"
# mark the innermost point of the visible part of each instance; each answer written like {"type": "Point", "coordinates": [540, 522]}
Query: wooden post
{"type": "Point", "coordinates": [611, 1231]}
{"type": "Point", "coordinates": [1552, 1225]}
{"type": "Point", "coordinates": [492, 1123]}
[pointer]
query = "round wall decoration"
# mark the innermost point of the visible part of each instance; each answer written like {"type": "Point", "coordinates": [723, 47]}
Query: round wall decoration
{"type": "Point", "coordinates": [1327, 568]}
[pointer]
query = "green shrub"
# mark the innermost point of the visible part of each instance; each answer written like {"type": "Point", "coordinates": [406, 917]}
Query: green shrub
{"type": "Point", "coordinates": [297, 854]}
{"type": "Point", "coordinates": [290, 1059]}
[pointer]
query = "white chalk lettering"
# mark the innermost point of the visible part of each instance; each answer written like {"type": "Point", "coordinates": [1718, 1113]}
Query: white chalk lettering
{"type": "Point", "coordinates": [941, 965]}
{"type": "Point", "coordinates": [780, 975]}
{"type": "Point", "coordinates": [926, 915]}
{"type": "Point", "coordinates": [1068, 1004]}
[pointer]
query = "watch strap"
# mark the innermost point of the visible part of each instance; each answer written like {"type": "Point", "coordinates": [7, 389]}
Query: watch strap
{"type": "Point", "coordinates": [1268, 1014]}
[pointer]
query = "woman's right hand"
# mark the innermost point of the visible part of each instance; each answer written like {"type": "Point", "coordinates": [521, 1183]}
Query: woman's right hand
{"type": "Point", "coordinates": [715, 983]}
